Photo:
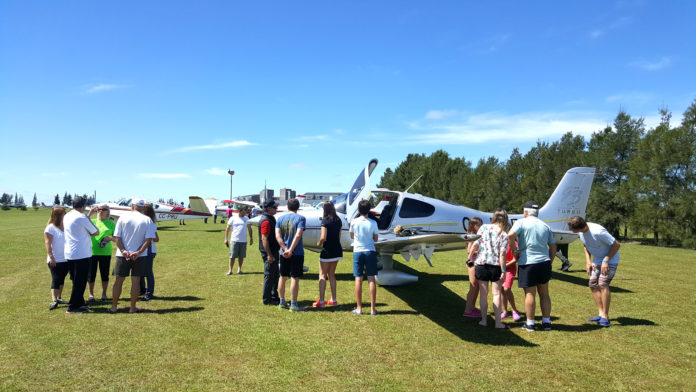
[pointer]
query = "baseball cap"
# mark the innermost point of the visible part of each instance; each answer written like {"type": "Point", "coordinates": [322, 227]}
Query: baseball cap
{"type": "Point", "coordinates": [139, 203]}
{"type": "Point", "coordinates": [531, 204]}
{"type": "Point", "coordinates": [269, 204]}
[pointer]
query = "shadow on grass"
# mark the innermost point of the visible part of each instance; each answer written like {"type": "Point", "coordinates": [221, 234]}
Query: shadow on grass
{"type": "Point", "coordinates": [433, 300]}
{"type": "Point", "coordinates": [630, 321]}
{"type": "Point", "coordinates": [179, 298]}
{"type": "Point", "coordinates": [123, 310]}
{"type": "Point", "coordinates": [582, 281]}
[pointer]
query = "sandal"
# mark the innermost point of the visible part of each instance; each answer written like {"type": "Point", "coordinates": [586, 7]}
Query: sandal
{"type": "Point", "coordinates": [356, 312]}
{"type": "Point", "coordinates": [112, 310]}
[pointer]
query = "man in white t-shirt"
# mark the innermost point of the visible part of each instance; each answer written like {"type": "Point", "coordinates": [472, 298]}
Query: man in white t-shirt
{"type": "Point", "coordinates": [78, 251]}
{"type": "Point", "coordinates": [133, 234]}
{"type": "Point", "coordinates": [238, 239]}
{"type": "Point", "coordinates": [602, 256]}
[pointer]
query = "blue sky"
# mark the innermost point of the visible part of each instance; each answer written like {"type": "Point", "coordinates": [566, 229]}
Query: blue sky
{"type": "Point", "coordinates": [159, 98]}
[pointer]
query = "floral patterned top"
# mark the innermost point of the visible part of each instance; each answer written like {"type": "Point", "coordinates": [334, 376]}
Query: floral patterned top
{"type": "Point", "coordinates": [492, 244]}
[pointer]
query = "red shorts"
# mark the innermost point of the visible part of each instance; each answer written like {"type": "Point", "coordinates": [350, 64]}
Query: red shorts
{"type": "Point", "coordinates": [510, 273]}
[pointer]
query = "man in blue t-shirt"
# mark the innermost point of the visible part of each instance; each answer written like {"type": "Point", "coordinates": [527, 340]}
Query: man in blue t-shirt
{"type": "Point", "coordinates": [602, 255]}
{"type": "Point", "coordinates": [537, 248]}
{"type": "Point", "coordinates": [364, 233]}
{"type": "Point", "coordinates": [289, 229]}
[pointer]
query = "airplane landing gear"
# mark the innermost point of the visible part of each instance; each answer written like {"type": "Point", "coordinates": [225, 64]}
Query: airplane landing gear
{"type": "Point", "coordinates": [387, 276]}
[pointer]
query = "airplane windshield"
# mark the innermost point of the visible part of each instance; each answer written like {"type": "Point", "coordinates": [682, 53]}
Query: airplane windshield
{"type": "Point", "coordinates": [125, 202]}
{"type": "Point", "coordinates": [340, 203]}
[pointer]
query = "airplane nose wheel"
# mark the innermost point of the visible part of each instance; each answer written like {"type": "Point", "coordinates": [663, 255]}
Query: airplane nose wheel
{"type": "Point", "coordinates": [387, 276]}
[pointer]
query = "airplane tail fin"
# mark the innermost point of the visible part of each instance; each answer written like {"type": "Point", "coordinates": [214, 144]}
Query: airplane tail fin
{"type": "Point", "coordinates": [211, 203]}
{"type": "Point", "coordinates": [569, 198]}
{"type": "Point", "coordinates": [198, 205]}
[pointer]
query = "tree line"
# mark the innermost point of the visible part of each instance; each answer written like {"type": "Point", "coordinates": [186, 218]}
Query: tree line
{"type": "Point", "coordinates": [644, 187]}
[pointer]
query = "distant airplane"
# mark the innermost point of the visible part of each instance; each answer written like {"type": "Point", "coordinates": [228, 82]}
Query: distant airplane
{"type": "Point", "coordinates": [165, 212]}
{"type": "Point", "coordinates": [434, 225]}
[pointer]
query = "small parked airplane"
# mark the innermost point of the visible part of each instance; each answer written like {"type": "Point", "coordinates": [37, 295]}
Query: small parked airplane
{"type": "Point", "coordinates": [435, 225]}
{"type": "Point", "coordinates": [165, 212]}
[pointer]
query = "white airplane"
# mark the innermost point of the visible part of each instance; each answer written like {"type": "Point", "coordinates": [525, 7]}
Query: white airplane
{"type": "Point", "coordinates": [435, 225]}
{"type": "Point", "coordinates": [165, 212]}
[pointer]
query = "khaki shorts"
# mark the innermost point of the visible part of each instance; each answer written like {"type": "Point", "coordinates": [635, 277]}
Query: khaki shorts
{"type": "Point", "coordinates": [238, 250]}
{"type": "Point", "coordinates": [125, 267]}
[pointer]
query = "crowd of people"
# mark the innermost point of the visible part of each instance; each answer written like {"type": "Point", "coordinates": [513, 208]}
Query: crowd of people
{"type": "Point", "coordinates": [79, 246]}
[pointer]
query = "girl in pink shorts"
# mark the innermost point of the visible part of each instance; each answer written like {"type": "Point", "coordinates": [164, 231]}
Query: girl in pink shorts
{"type": "Point", "coordinates": [508, 296]}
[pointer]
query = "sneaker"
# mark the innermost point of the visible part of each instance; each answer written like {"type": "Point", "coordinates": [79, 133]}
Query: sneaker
{"type": "Point", "coordinates": [283, 305]}
{"type": "Point", "coordinates": [319, 304]}
{"type": "Point", "coordinates": [104, 299]}
{"type": "Point", "coordinates": [516, 316]}
{"type": "Point", "coordinates": [604, 322]}
{"type": "Point", "coordinates": [528, 328]}
{"type": "Point", "coordinates": [503, 315]}
{"type": "Point", "coordinates": [546, 326]}
{"type": "Point", "coordinates": [594, 319]}
{"type": "Point", "coordinates": [76, 311]}
{"type": "Point", "coordinates": [53, 305]}
{"type": "Point", "coordinates": [144, 298]}
{"type": "Point", "coordinates": [60, 301]}
{"type": "Point", "coordinates": [473, 314]}
{"type": "Point", "coordinates": [331, 303]}
{"type": "Point", "coordinates": [297, 308]}
{"type": "Point", "coordinates": [91, 300]}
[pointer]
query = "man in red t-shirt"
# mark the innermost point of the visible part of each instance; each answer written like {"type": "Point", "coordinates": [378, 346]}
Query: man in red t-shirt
{"type": "Point", "coordinates": [269, 247]}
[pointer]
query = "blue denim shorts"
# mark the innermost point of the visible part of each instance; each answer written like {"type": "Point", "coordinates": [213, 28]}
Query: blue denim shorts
{"type": "Point", "coordinates": [364, 262]}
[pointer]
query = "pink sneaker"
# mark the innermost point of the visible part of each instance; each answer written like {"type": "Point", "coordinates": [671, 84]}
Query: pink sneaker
{"type": "Point", "coordinates": [503, 315]}
{"type": "Point", "coordinates": [516, 316]}
{"type": "Point", "coordinates": [476, 313]}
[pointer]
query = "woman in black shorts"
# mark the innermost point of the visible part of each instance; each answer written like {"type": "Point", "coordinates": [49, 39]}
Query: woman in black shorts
{"type": "Point", "coordinates": [331, 254]}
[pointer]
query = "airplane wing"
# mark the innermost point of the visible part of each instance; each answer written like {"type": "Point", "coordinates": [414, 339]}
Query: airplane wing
{"type": "Point", "coordinates": [422, 244]}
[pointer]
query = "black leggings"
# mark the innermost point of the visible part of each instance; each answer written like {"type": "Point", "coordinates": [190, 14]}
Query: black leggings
{"type": "Point", "coordinates": [58, 274]}
{"type": "Point", "coordinates": [103, 262]}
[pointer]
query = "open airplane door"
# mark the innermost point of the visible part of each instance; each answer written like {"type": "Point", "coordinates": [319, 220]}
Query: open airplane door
{"type": "Point", "coordinates": [360, 190]}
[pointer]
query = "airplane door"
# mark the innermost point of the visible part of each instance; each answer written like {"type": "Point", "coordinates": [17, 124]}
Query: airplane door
{"type": "Point", "coordinates": [360, 190]}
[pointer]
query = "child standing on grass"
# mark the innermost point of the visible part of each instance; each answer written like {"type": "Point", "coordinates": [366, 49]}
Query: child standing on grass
{"type": "Point", "coordinates": [364, 233]}
{"type": "Point", "coordinates": [508, 296]}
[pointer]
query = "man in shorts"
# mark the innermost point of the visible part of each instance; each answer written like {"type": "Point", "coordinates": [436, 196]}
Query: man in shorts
{"type": "Point", "coordinates": [533, 245]}
{"type": "Point", "coordinates": [289, 229]}
{"type": "Point", "coordinates": [237, 242]}
{"type": "Point", "coordinates": [364, 233]}
{"type": "Point", "coordinates": [268, 246]}
{"type": "Point", "coordinates": [133, 234]}
{"type": "Point", "coordinates": [78, 251]}
{"type": "Point", "coordinates": [602, 256]}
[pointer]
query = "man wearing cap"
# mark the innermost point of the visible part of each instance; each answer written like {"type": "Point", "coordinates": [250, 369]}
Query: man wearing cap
{"type": "Point", "coordinates": [78, 251]}
{"type": "Point", "coordinates": [133, 234]}
{"type": "Point", "coordinates": [602, 255]}
{"type": "Point", "coordinates": [269, 247]}
{"type": "Point", "coordinates": [534, 251]}
{"type": "Point", "coordinates": [101, 250]}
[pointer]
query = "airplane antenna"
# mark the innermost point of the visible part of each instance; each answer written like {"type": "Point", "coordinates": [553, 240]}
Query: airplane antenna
{"type": "Point", "coordinates": [414, 183]}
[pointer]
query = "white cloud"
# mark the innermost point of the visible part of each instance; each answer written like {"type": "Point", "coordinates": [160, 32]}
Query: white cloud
{"type": "Point", "coordinates": [216, 172]}
{"type": "Point", "coordinates": [616, 24]}
{"type": "Point", "coordinates": [491, 127]}
{"type": "Point", "coordinates": [439, 114]}
{"type": "Point", "coordinates": [313, 138]}
{"type": "Point", "coordinates": [662, 63]}
{"type": "Point", "coordinates": [635, 97]}
{"type": "Point", "coordinates": [97, 88]}
{"type": "Point", "coordinates": [235, 144]}
{"type": "Point", "coordinates": [166, 176]}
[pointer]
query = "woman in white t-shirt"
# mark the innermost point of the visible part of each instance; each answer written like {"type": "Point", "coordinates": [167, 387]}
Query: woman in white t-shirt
{"type": "Point", "coordinates": [54, 240]}
{"type": "Point", "coordinates": [238, 239]}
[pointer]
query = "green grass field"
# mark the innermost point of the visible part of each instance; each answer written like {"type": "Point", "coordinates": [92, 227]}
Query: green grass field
{"type": "Point", "coordinates": [208, 331]}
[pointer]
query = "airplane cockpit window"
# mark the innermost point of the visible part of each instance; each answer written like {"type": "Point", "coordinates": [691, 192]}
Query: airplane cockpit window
{"type": "Point", "coordinates": [412, 208]}
{"type": "Point", "coordinates": [340, 203]}
{"type": "Point", "coordinates": [125, 202]}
